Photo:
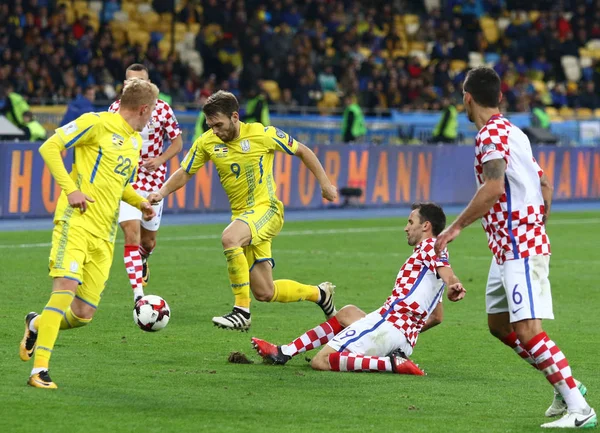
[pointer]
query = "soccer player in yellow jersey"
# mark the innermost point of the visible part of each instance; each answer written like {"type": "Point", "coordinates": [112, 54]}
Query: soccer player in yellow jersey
{"type": "Point", "coordinates": [243, 155]}
{"type": "Point", "coordinates": [106, 150]}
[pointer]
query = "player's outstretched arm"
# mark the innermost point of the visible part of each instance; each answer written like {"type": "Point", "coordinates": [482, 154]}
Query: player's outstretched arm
{"type": "Point", "coordinates": [456, 291]}
{"type": "Point", "coordinates": [485, 197]}
{"type": "Point", "coordinates": [547, 192]}
{"type": "Point", "coordinates": [51, 153]}
{"type": "Point", "coordinates": [434, 319]}
{"type": "Point", "coordinates": [174, 148]}
{"type": "Point", "coordinates": [176, 181]}
{"type": "Point", "coordinates": [310, 160]}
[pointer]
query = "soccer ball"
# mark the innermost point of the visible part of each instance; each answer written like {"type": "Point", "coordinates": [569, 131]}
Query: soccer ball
{"type": "Point", "coordinates": [151, 313]}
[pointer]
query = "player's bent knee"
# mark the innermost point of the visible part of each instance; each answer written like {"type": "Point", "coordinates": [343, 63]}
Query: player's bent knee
{"type": "Point", "coordinates": [320, 362]}
{"type": "Point", "coordinates": [229, 240]}
{"type": "Point", "coordinates": [82, 310]}
{"type": "Point", "coordinates": [263, 294]}
{"type": "Point", "coordinates": [349, 314]}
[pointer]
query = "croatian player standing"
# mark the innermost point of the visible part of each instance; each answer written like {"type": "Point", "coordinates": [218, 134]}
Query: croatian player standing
{"type": "Point", "coordinates": [140, 236]}
{"type": "Point", "coordinates": [513, 201]}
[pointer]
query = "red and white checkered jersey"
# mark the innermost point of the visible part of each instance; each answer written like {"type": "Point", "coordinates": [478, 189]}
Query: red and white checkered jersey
{"type": "Point", "coordinates": [163, 121]}
{"type": "Point", "coordinates": [417, 290]}
{"type": "Point", "coordinates": [514, 225]}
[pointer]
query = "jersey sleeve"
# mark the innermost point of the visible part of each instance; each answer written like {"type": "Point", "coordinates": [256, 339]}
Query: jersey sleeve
{"type": "Point", "coordinates": [169, 123]}
{"type": "Point", "coordinates": [80, 131]}
{"type": "Point", "coordinates": [276, 139]}
{"type": "Point", "coordinates": [114, 107]}
{"type": "Point", "coordinates": [432, 260]}
{"type": "Point", "coordinates": [195, 158]}
{"type": "Point", "coordinates": [492, 143]}
{"type": "Point", "coordinates": [540, 172]}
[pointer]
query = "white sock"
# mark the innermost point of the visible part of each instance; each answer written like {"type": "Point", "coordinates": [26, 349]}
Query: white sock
{"type": "Point", "coordinates": [36, 371]}
{"type": "Point", "coordinates": [31, 327]}
{"type": "Point", "coordinates": [139, 292]}
{"type": "Point", "coordinates": [245, 310]}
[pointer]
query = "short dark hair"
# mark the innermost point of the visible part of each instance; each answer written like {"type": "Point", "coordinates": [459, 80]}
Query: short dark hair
{"type": "Point", "coordinates": [433, 213]}
{"type": "Point", "coordinates": [483, 84]}
{"type": "Point", "coordinates": [221, 102]}
{"type": "Point", "coordinates": [137, 67]}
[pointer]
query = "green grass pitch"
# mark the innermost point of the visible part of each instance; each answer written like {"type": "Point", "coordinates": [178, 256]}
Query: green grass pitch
{"type": "Point", "coordinates": [113, 377]}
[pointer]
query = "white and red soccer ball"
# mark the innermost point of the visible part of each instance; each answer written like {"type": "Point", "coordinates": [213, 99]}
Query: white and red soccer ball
{"type": "Point", "coordinates": [151, 313]}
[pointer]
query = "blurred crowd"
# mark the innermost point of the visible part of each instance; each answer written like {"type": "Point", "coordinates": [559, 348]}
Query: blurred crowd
{"type": "Point", "coordinates": [311, 47]}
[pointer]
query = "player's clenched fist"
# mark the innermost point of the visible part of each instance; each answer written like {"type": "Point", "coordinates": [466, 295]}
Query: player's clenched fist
{"type": "Point", "coordinates": [456, 292]}
{"type": "Point", "coordinates": [154, 197]}
{"type": "Point", "coordinates": [147, 211]}
{"type": "Point", "coordinates": [79, 200]}
{"type": "Point", "coordinates": [329, 192]}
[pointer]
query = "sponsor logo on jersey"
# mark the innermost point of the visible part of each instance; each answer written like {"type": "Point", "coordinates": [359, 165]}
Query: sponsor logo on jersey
{"type": "Point", "coordinates": [117, 140]}
{"type": "Point", "coordinates": [74, 266]}
{"type": "Point", "coordinates": [134, 142]}
{"type": "Point", "coordinates": [70, 128]}
{"type": "Point", "coordinates": [488, 147]}
{"type": "Point", "coordinates": [221, 150]}
{"type": "Point", "coordinates": [279, 133]}
{"type": "Point", "coordinates": [245, 144]}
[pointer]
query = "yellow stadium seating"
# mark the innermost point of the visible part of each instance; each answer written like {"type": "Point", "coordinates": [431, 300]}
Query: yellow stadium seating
{"type": "Point", "coordinates": [566, 112]}
{"type": "Point", "coordinates": [584, 113]}
{"type": "Point", "coordinates": [490, 29]}
{"type": "Point", "coordinates": [457, 66]}
{"type": "Point", "coordinates": [272, 89]}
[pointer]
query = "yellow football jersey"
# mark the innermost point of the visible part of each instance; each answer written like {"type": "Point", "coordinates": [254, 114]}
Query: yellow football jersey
{"type": "Point", "coordinates": [106, 150]}
{"type": "Point", "coordinates": [245, 165]}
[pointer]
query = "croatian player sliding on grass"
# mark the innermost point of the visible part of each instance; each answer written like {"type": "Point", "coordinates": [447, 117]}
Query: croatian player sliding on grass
{"type": "Point", "coordinates": [106, 149]}
{"type": "Point", "coordinates": [513, 202]}
{"type": "Point", "coordinates": [243, 155]}
{"type": "Point", "coordinates": [384, 339]}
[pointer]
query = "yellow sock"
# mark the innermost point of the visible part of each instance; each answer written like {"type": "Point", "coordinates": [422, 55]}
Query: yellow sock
{"type": "Point", "coordinates": [48, 326]}
{"type": "Point", "coordinates": [239, 276]}
{"type": "Point", "coordinates": [70, 320]}
{"type": "Point", "coordinates": [293, 291]}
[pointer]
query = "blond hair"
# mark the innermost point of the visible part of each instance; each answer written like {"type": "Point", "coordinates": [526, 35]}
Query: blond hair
{"type": "Point", "coordinates": [137, 92]}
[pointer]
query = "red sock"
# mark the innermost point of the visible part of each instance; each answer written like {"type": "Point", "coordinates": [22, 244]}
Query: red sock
{"type": "Point", "coordinates": [346, 361]}
{"type": "Point", "coordinates": [552, 362]}
{"type": "Point", "coordinates": [314, 338]}
{"type": "Point", "coordinates": [512, 341]}
{"type": "Point", "coordinates": [133, 265]}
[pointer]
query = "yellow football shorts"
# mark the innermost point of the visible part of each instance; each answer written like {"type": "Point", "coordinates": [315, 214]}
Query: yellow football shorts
{"type": "Point", "coordinates": [265, 223]}
{"type": "Point", "coordinates": [78, 255]}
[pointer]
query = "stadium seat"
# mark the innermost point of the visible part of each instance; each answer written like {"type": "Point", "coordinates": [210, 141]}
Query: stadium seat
{"type": "Point", "coordinates": [551, 111]}
{"type": "Point", "coordinates": [329, 102]}
{"type": "Point", "coordinates": [457, 66]}
{"type": "Point", "coordinates": [566, 112]}
{"type": "Point", "coordinates": [593, 44]}
{"type": "Point", "coordinates": [490, 29]}
{"type": "Point", "coordinates": [475, 59]}
{"type": "Point", "coordinates": [533, 16]}
{"type": "Point", "coordinates": [503, 23]}
{"type": "Point", "coordinates": [194, 28]}
{"type": "Point", "coordinates": [584, 113]}
{"type": "Point", "coordinates": [539, 86]}
{"type": "Point", "coordinates": [571, 67]}
{"type": "Point", "coordinates": [597, 112]}
{"type": "Point", "coordinates": [130, 8]}
{"type": "Point", "coordinates": [585, 62]}
{"type": "Point", "coordinates": [272, 89]}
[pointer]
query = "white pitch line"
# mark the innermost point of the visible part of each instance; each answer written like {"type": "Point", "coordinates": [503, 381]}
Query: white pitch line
{"type": "Point", "coordinates": [349, 230]}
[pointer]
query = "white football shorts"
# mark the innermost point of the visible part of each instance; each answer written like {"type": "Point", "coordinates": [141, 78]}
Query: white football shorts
{"type": "Point", "coordinates": [372, 335]}
{"type": "Point", "coordinates": [130, 213]}
{"type": "Point", "coordinates": [521, 288]}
